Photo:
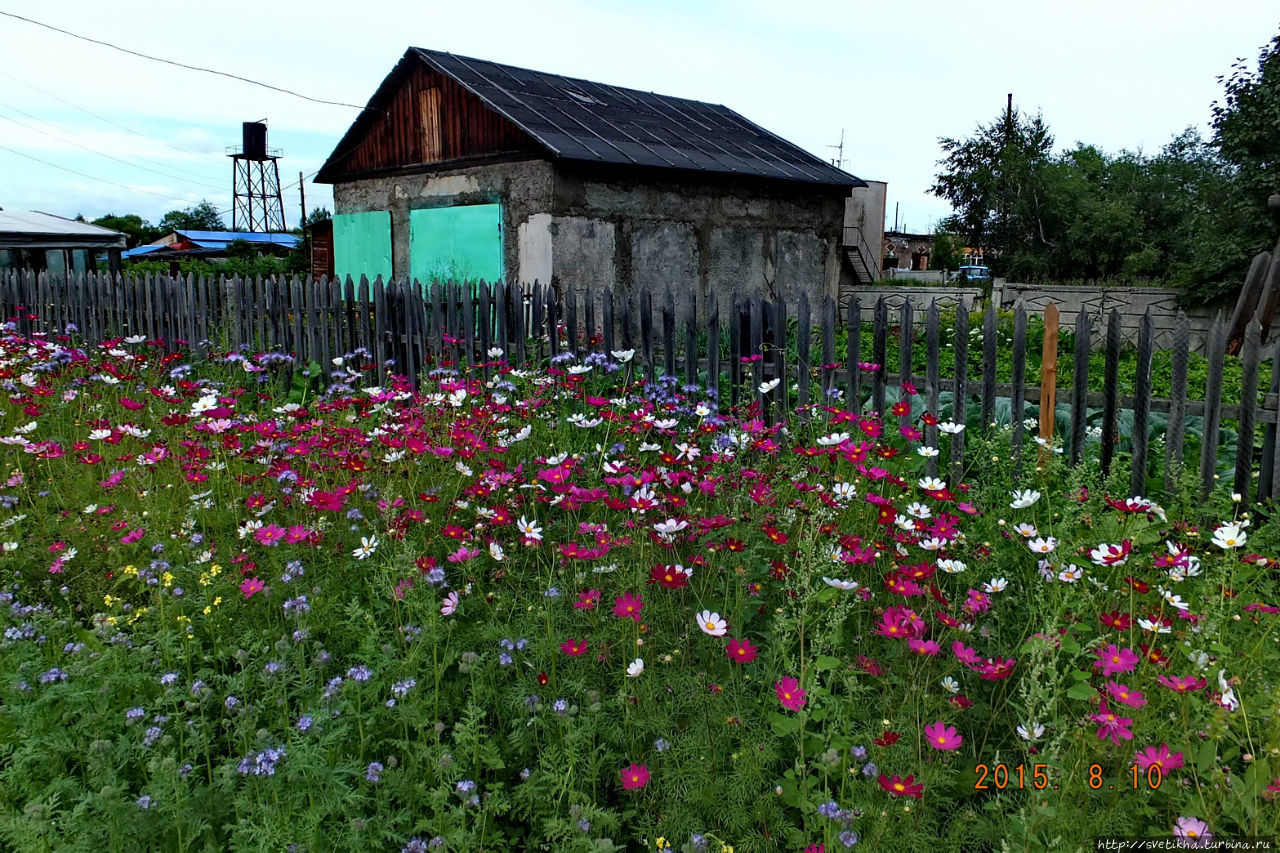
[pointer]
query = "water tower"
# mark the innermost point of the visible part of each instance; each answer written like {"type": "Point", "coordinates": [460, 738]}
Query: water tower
{"type": "Point", "coordinates": [255, 184]}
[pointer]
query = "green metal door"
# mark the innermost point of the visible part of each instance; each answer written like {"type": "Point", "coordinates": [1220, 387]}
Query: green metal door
{"type": "Point", "coordinates": [362, 245]}
{"type": "Point", "coordinates": [462, 243]}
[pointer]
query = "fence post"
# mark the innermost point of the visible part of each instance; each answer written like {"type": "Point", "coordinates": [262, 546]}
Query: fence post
{"type": "Point", "coordinates": [1080, 391]}
{"type": "Point", "coordinates": [1048, 380]}
{"type": "Point", "coordinates": [1212, 407]}
{"type": "Point", "coordinates": [960, 390]}
{"type": "Point", "coordinates": [1111, 394]}
{"type": "Point", "coordinates": [1250, 357]}
{"type": "Point", "coordinates": [1141, 406]}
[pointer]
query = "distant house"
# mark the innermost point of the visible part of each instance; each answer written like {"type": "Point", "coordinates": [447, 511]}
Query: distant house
{"type": "Point", "coordinates": [42, 241]}
{"type": "Point", "coordinates": [903, 251]}
{"type": "Point", "coordinates": [470, 169]}
{"type": "Point", "coordinates": [211, 244]}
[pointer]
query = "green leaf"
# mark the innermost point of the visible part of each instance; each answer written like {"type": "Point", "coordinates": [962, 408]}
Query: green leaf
{"type": "Point", "coordinates": [825, 662]}
{"type": "Point", "coordinates": [784, 725]}
{"type": "Point", "coordinates": [1205, 757]}
{"type": "Point", "coordinates": [1081, 690]}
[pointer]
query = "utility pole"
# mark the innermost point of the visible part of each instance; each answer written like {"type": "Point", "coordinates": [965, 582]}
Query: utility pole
{"type": "Point", "coordinates": [302, 197]}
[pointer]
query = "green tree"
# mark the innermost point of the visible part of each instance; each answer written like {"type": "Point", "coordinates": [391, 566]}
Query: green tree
{"type": "Point", "coordinates": [201, 217]}
{"type": "Point", "coordinates": [138, 229]}
{"type": "Point", "coordinates": [947, 251]}
{"type": "Point", "coordinates": [995, 182]}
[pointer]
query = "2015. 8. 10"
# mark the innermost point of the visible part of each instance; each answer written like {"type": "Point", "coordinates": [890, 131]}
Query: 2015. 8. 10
{"type": "Point", "coordinates": [1036, 776]}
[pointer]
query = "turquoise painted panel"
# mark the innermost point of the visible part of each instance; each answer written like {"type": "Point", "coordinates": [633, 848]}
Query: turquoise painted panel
{"type": "Point", "coordinates": [362, 245]}
{"type": "Point", "coordinates": [461, 243]}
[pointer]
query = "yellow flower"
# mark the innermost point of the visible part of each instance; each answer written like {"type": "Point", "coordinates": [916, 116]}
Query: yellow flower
{"type": "Point", "coordinates": [205, 580]}
{"type": "Point", "coordinates": [207, 610]}
{"type": "Point", "coordinates": [167, 579]}
{"type": "Point", "coordinates": [215, 569]}
{"type": "Point", "coordinates": [132, 571]}
{"type": "Point", "coordinates": [662, 842]}
{"type": "Point", "coordinates": [217, 600]}
{"type": "Point", "coordinates": [109, 600]}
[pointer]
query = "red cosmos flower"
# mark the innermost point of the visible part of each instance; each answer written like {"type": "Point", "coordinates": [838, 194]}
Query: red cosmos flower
{"type": "Point", "coordinates": [775, 534]}
{"type": "Point", "coordinates": [741, 650]}
{"type": "Point", "coordinates": [587, 599]}
{"type": "Point", "coordinates": [902, 408]}
{"type": "Point", "coordinates": [628, 606]}
{"type": "Point", "coordinates": [869, 666]}
{"type": "Point", "coordinates": [542, 679]}
{"type": "Point", "coordinates": [635, 776]}
{"type": "Point", "coordinates": [573, 648]}
{"type": "Point", "coordinates": [899, 787]}
{"type": "Point", "coordinates": [1139, 586]}
{"type": "Point", "coordinates": [996, 670]}
{"type": "Point", "coordinates": [1117, 620]}
{"type": "Point", "coordinates": [671, 577]}
{"type": "Point", "coordinates": [1154, 655]}
{"type": "Point", "coordinates": [887, 739]}
{"type": "Point", "coordinates": [961, 701]}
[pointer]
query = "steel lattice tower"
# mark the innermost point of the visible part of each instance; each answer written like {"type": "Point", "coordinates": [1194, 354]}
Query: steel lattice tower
{"type": "Point", "coordinates": [255, 182]}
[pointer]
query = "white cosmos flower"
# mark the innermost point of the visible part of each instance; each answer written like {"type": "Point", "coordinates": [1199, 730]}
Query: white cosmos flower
{"type": "Point", "coordinates": [669, 527]}
{"type": "Point", "coordinates": [1228, 700]}
{"type": "Point", "coordinates": [904, 523]}
{"type": "Point", "coordinates": [1153, 626]}
{"type": "Point", "coordinates": [766, 387]}
{"type": "Point", "coordinates": [368, 545]}
{"type": "Point", "coordinates": [844, 491]}
{"type": "Point", "coordinates": [9, 547]}
{"type": "Point", "coordinates": [950, 427]}
{"type": "Point", "coordinates": [840, 583]}
{"type": "Point", "coordinates": [458, 397]}
{"type": "Point", "coordinates": [1024, 499]}
{"type": "Point", "coordinates": [577, 369]}
{"type": "Point", "coordinates": [931, 484]}
{"type": "Point", "coordinates": [919, 510]}
{"type": "Point", "coordinates": [1027, 530]}
{"type": "Point", "coordinates": [495, 551]}
{"type": "Point", "coordinates": [952, 567]}
{"type": "Point", "coordinates": [135, 339]}
{"type": "Point", "coordinates": [635, 668]}
{"type": "Point", "coordinates": [832, 439]}
{"type": "Point", "coordinates": [1229, 536]}
{"type": "Point", "coordinates": [933, 543]}
{"type": "Point", "coordinates": [702, 410]}
{"type": "Point", "coordinates": [950, 685]}
{"type": "Point", "coordinates": [623, 355]}
{"type": "Point", "coordinates": [495, 352]}
{"type": "Point", "coordinates": [1044, 545]}
{"type": "Point", "coordinates": [529, 529]}
{"type": "Point", "coordinates": [1031, 731]}
{"type": "Point", "coordinates": [927, 452]}
{"type": "Point", "coordinates": [99, 434]}
{"type": "Point", "coordinates": [711, 624]}
{"type": "Point", "coordinates": [995, 585]}
{"type": "Point", "coordinates": [1071, 574]}
{"type": "Point", "coordinates": [1174, 600]}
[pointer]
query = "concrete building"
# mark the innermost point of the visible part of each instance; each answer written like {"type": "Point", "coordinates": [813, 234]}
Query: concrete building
{"type": "Point", "coordinates": [463, 168]}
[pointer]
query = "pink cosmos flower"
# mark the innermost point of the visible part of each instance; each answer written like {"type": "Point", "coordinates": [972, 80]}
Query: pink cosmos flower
{"type": "Point", "coordinates": [924, 647]}
{"type": "Point", "coordinates": [450, 604]}
{"type": "Point", "coordinates": [1194, 829]}
{"type": "Point", "coordinates": [789, 693]}
{"type": "Point", "coordinates": [297, 533]}
{"type": "Point", "coordinates": [1112, 660]}
{"type": "Point", "coordinates": [587, 599]}
{"type": "Point", "coordinates": [1158, 756]}
{"type": "Point", "coordinates": [964, 653]}
{"type": "Point", "coordinates": [1123, 694]}
{"type": "Point", "coordinates": [635, 776]}
{"type": "Point", "coordinates": [269, 535]}
{"type": "Point", "coordinates": [628, 606]}
{"type": "Point", "coordinates": [1112, 726]}
{"type": "Point", "coordinates": [942, 736]}
{"type": "Point", "coordinates": [249, 586]}
{"type": "Point", "coordinates": [1182, 683]}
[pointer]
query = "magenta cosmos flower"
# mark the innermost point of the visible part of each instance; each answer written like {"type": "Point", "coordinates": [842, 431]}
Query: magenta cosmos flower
{"type": "Point", "coordinates": [1113, 660]}
{"type": "Point", "coordinates": [789, 693]}
{"type": "Point", "coordinates": [635, 776]}
{"type": "Point", "coordinates": [1124, 694]}
{"type": "Point", "coordinates": [249, 586]}
{"type": "Point", "coordinates": [1182, 683]}
{"type": "Point", "coordinates": [741, 650]}
{"type": "Point", "coordinates": [942, 736]}
{"type": "Point", "coordinates": [1158, 756]}
{"type": "Point", "coordinates": [628, 606]}
{"type": "Point", "coordinates": [1112, 726]}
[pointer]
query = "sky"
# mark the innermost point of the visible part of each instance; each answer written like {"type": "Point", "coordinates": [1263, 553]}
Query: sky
{"type": "Point", "coordinates": [115, 133]}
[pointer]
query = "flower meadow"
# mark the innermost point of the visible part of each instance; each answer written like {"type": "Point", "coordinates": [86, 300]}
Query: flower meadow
{"type": "Point", "coordinates": [564, 608]}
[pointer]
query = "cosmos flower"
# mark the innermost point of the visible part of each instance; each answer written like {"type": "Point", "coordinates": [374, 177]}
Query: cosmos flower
{"type": "Point", "coordinates": [635, 776]}
{"type": "Point", "coordinates": [789, 692]}
{"type": "Point", "coordinates": [941, 736]}
{"type": "Point", "coordinates": [741, 651]}
{"type": "Point", "coordinates": [712, 624]}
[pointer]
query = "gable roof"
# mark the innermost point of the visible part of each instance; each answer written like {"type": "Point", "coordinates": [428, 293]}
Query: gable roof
{"type": "Point", "coordinates": [578, 120]}
{"type": "Point", "coordinates": [31, 227]}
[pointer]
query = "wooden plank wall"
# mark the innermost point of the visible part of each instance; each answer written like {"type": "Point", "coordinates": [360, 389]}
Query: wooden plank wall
{"type": "Point", "coordinates": [385, 329]}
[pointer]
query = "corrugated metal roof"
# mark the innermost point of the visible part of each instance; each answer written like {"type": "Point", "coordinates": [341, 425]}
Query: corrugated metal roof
{"type": "Point", "coordinates": [210, 239]}
{"type": "Point", "coordinates": [575, 119]}
{"type": "Point", "coordinates": [32, 223]}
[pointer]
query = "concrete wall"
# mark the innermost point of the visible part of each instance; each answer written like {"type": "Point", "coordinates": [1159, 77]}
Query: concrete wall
{"type": "Point", "coordinates": [865, 210]}
{"type": "Point", "coordinates": [1130, 302]}
{"type": "Point", "coordinates": [595, 228]}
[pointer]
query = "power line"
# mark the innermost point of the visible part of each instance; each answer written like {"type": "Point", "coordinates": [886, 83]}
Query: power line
{"type": "Point", "coordinates": [95, 178]}
{"type": "Point", "coordinates": [181, 64]}
{"type": "Point", "coordinates": [61, 138]}
{"type": "Point", "coordinates": [109, 121]}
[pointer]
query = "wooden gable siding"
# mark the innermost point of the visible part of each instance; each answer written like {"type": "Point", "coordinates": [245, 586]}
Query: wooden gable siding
{"type": "Point", "coordinates": [467, 128]}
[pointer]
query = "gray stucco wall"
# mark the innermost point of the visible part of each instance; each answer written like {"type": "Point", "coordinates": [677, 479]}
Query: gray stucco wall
{"type": "Point", "coordinates": [596, 228]}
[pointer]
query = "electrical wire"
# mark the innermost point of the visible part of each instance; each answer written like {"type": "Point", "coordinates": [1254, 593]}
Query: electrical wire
{"type": "Point", "coordinates": [61, 138]}
{"type": "Point", "coordinates": [95, 178]}
{"type": "Point", "coordinates": [109, 121]}
{"type": "Point", "coordinates": [181, 64]}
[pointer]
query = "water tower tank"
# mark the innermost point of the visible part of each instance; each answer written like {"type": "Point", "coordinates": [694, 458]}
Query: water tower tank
{"type": "Point", "coordinates": [255, 140]}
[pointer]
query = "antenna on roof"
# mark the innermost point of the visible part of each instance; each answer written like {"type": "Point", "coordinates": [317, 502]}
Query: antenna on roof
{"type": "Point", "coordinates": [838, 161]}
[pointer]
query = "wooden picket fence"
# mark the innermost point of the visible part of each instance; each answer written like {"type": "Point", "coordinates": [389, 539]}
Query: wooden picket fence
{"type": "Point", "coordinates": [410, 328]}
